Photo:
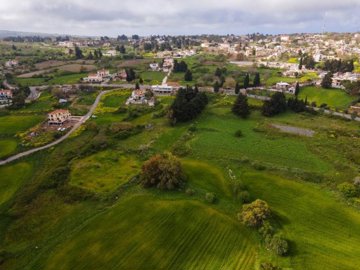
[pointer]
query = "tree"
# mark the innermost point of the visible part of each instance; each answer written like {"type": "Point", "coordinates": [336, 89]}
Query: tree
{"type": "Point", "coordinates": [188, 76]}
{"type": "Point", "coordinates": [246, 81]}
{"type": "Point", "coordinates": [216, 87]}
{"type": "Point", "coordinates": [78, 53]}
{"type": "Point", "coordinates": [241, 106]}
{"type": "Point", "coordinates": [163, 171]}
{"type": "Point", "coordinates": [187, 105]}
{"type": "Point", "coordinates": [237, 88]}
{"type": "Point", "coordinates": [137, 86]}
{"type": "Point", "coordinates": [348, 190]}
{"type": "Point", "coordinates": [90, 56]}
{"type": "Point", "coordinates": [121, 49]}
{"type": "Point", "coordinates": [269, 266]}
{"type": "Point", "coordinates": [327, 80]}
{"type": "Point", "coordinates": [277, 244]}
{"type": "Point", "coordinates": [309, 62]}
{"type": "Point", "coordinates": [297, 89]}
{"type": "Point", "coordinates": [255, 213]}
{"type": "Point", "coordinates": [301, 63]}
{"type": "Point", "coordinates": [130, 75]}
{"type": "Point", "coordinates": [277, 104]}
{"type": "Point", "coordinates": [257, 80]}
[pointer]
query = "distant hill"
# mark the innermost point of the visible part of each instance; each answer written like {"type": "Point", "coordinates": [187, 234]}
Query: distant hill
{"type": "Point", "coordinates": [7, 33]}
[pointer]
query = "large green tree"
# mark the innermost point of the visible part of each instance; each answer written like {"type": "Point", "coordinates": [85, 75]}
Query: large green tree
{"type": "Point", "coordinates": [241, 106]}
{"type": "Point", "coordinates": [327, 81]}
{"type": "Point", "coordinates": [163, 171]}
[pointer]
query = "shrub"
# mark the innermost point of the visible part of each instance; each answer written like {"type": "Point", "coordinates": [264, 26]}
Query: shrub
{"type": "Point", "coordinates": [190, 191]}
{"type": "Point", "coordinates": [348, 190]}
{"type": "Point", "coordinates": [266, 229]}
{"type": "Point", "coordinates": [244, 196]}
{"type": "Point", "coordinates": [238, 133]}
{"type": "Point", "coordinates": [210, 197]}
{"type": "Point", "coordinates": [269, 266]}
{"type": "Point", "coordinates": [277, 244]}
{"type": "Point", "coordinates": [162, 171]}
{"type": "Point", "coordinates": [255, 213]}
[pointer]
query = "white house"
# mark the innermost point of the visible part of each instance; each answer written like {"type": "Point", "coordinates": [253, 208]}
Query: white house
{"type": "Point", "coordinates": [11, 63]}
{"type": "Point", "coordinates": [110, 53]}
{"type": "Point", "coordinates": [162, 90]}
{"type": "Point", "coordinates": [154, 66]}
{"type": "Point", "coordinates": [98, 77]}
{"type": "Point", "coordinates": [138, 96]}
{"type": "Point", "coordinates": [6, 94]}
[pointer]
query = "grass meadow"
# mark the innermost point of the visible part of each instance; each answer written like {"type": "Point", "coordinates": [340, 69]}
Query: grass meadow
{"type": "Point", "coordinates": [77, 206]}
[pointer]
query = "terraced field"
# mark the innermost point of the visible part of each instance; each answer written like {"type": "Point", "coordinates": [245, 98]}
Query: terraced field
{"type": "Point", "coordinates": [158, 236]}
{"type": "Point", "coordinates": [314, 220]}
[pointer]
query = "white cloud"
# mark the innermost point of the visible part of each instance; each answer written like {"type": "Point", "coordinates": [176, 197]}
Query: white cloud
{"type": "Point", "coordinates": [112, 17]}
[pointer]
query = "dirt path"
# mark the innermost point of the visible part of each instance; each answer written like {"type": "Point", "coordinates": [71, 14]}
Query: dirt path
{"type": "Point", "coordinates": [294, 130]}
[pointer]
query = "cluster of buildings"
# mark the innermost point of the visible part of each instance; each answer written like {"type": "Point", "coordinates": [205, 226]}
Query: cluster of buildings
{"type": "Point", "coordinates": [6, 97]}
{"type": "Point", "coordinates": [98, 77]}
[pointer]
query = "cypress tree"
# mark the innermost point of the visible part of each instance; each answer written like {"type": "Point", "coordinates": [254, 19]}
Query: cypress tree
{"type": "Point", "coordinates": [297, 89]}
{"type": "Point", "coordinates": [246, 81]}
{"type": "Point", "coordinates": [237, 88]}
{"type": "Point", "coordinates": [257, 80]}
{"type": "Point", "coordinates": [241, 106]}
{"type": "Point", "coordinates": [188, 76]}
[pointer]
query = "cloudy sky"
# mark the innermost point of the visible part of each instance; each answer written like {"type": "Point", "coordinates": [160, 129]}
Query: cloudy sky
{"type": "Point", "coordinates": [144, 17]}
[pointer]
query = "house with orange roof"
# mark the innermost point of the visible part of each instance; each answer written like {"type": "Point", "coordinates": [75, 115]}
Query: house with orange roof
{"type": "Point", "coordinates": [58, 117]}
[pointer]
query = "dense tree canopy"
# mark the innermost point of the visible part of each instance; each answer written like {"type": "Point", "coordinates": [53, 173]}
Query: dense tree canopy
{"type": "Point", "coordinates": [187, 105]}
{"type": "Point", "coordinates": [162, 171]}
{"type": "Point", "coordinates": [241, 106]}
{"type": "Point", "coordinates": [255, 213]}
{"type": "Point", "coordinates": [277, 104]}
{"type": "Point", "coordinates": [327, 80]}
{"type": "Point", "coordinates": [339, 65]}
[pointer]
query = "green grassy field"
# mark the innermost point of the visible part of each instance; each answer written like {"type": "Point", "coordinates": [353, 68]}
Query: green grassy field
{"type": "Point", "coordinates": [7, 146]}
{"type": "Point", "coordinates": [303, 209]}
{"type": "Point", "coordinates": [104, 171]}
{"type": "Point", "coordinates": [11, 124]}
{"type": "Point", "coordinates": [12, 178]}
{"type": "Point", "coordinates": [125, 226]}
{"type": "Point", "coordinates": [335, 98]}
{"type": "Point", "coordinates": [152, 77]}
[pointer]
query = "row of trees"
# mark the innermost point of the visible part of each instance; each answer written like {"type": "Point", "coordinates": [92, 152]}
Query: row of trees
{"type": "Point", "coordinates": [277, 104]}
{"type": "Point", "coordinates": [180, 66]}
{"type": "Point", "coordinates": [188, 104]}
{"type": "Point", "coordinates": [339, 65]}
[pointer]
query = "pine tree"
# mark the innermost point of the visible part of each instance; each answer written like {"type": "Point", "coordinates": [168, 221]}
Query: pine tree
{"type": "Point", "coordinates": [188, 76]}
{"type": "Point", "coordinates": [237, 88]}
{"type": "Point", "coordinates": [216, 87]}
{"type": "Point", "coordinates": [241, 106]}
{"type": "Point", "coordinates": [257, 80]}
{"type": "Point", "coordinates": [327, 81]}
{"type": "Point", "coordinates": [246, 81]}
{"type": "Point", "coordinates": [301, 63]}
{"type": "Point", "coordinates": [137, 86]}
{"type": "Point", "coordinates": [78, 53]}
{"type": "Point", "coordinates": [297, 89]}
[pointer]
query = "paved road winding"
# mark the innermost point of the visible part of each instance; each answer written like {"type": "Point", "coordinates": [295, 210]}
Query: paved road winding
{"type": "Point", "coordinates": [72, 130]}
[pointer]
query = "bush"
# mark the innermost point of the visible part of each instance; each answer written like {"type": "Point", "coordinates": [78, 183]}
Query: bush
{"type": "Point", "coordinates": [266, 230]}
{"type": "Point", "coordinates": [348, 190]}
{"type": "Point", "coordinates": [163, 171]}
{"type": "Point", "coordinates": [269, 266]}
{"type": "Point", "coordinates": [190, 191]}
{"type": "Point", "coordinates": [277, 244]}
{"type": "Point", "coordinates": [210, 197]}
{"type": "Point", "coordinates": [244, 196]}
{"type": "Point", "coordinates": [255, 213]}
{"type": "Point", "coordinates": [238, 133]}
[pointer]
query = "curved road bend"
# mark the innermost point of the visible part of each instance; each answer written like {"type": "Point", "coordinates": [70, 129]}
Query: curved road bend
{"type": "Point", "coordinates": [75, 127]}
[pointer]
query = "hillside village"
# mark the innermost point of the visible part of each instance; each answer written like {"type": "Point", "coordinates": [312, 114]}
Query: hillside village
{"type": "Point", "coordinates": [180, 152]}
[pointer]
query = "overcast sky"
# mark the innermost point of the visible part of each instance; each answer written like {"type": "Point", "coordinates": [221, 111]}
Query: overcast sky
{"type": "Point", "coordinates": [145, 17]}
